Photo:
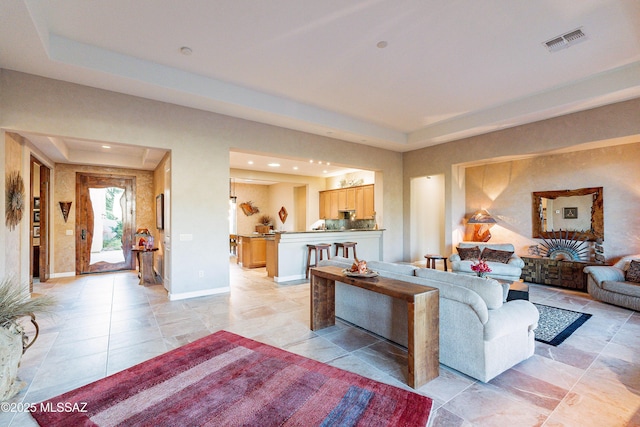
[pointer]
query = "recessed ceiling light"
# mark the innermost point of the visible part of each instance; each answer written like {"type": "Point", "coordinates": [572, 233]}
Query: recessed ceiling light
{"type": "Point", "coordinates": [320, 162]}
{"type": "Point", "coordinates": [250, 162]}
{"type": "Point", "coordinates": [324, 171]}
{"type": "Point", "coordinates": [186, 50]}
{"type": "Point", "coordinates": [328, 164]}
{"type": "Point", "coordinates": [274, 165]}
{"type": "Point", "coordinates": [381, 44]}
{"type": "Point", "coordinates": [310, 161]}
{"type": "Point", "coordinates": [295, 168]}
{"type": "Point", "coordinates": [106, 146]}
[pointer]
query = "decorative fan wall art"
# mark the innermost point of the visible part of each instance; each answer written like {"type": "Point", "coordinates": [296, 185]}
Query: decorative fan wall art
{"type": "Point", "coordinates": [566, 246]}
{"type": "Point", "coordinates": [15, 199]}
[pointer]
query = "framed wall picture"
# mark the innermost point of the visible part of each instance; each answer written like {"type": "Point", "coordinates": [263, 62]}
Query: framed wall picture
{"type": "Point", "coordinates": [36, 216]}
{"type": "Point", "coordinates": [160, 211]}
{"type": "Point", "coordinates": [36, 203]}
{"type": "Point", "coordinates": [570, 213]}
{"type": "Point", "coordinates": [36, 231]}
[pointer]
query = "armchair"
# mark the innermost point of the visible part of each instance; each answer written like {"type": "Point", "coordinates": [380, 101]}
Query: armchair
{"type": "Point", "coordinates": [511, 270]}
{"type": "Point", "coordinates": [609, 284]}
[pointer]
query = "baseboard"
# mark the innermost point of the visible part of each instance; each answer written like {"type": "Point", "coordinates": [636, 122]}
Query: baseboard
{"type": "Point", "coordinates": [202, 293]}
{"type": "Point", "coordinates": [65, 274]}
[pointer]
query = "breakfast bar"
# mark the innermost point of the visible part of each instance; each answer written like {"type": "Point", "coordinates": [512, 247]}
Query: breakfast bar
{"type": "Point", "coordinates": [290, 249]}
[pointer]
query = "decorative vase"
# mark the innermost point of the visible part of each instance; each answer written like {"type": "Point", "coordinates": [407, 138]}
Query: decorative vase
{"type": "Point", "coordinates": [11, 348]}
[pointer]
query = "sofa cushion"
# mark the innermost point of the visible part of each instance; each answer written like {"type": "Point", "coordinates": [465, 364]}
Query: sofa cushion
{"type": "Point", "coordinates": [496, 255]}
{"type": "Point", "coordinates": [631, 289]}
{"type": "Point", "coordinates": [633, 273]}
{"type": "Point", "coordinates": [488, 289]}
{"type": "Point", "coordinates": [469, 253]}
{"type": "Point", "coordinates": [406, 269]}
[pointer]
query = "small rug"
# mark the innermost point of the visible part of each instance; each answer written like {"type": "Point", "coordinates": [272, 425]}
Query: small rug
{"type": "Point", "coordinates": [228, 380]}
{"type": "Point", "coordinates": [557, 324]}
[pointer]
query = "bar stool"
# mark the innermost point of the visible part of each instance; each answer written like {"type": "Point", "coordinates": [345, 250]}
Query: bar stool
{"type": "Point", "coordinates": [431, 260]}
{"type": "Point", "coordinates": [345, 248]}
{"type": "Point", "coordinates": [318, 248]}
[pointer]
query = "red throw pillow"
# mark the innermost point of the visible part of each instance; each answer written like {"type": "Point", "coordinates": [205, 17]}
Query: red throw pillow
{"type": "Point", "coordinates": [469, 253]}
{"type": "Point", "coordinates": [633, 273]}
{"type": "Point", "coordinates": [496, 255]}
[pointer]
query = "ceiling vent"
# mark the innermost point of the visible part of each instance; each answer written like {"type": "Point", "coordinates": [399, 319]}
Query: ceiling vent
{"type": "Point", "coordinates": [565, 40]}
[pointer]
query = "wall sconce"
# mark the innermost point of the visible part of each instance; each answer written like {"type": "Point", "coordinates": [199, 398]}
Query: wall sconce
{"type": "Point", "coordinates": [482, 221]}
{"type": "Point", "coordinates": [65, 207]}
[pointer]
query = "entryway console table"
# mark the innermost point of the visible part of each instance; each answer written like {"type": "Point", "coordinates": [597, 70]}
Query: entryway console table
{"type": "Point", "coordinates": [564, 273]}
{"type": "Point", "coordinates": [423, 316]}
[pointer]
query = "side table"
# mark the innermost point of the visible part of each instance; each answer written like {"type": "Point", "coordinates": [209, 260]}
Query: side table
{"type": "Point", "coordinates": [432, 258]}
{"type": "Point", "coordinates": [145, 265]}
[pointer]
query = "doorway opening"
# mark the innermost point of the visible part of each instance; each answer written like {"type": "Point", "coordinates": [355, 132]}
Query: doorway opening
{"type": "Point", "coordinates": [39, 220]}
{"type": "Point", "coordinates": [427, 216]}
{"type": "Point", "coordinates": [104, 222]}
{"type": "Point", "coordinates": [107, 225]}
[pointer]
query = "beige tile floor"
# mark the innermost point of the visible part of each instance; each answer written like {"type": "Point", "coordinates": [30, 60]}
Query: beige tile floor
{"type": "Point", "coordinates": [107, 322]}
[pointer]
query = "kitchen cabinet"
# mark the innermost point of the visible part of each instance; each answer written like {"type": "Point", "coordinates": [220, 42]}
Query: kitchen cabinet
{"type": "Point", "coordinates": [360, 199]}
{"type": "Point", "coordinates": [252, 251]}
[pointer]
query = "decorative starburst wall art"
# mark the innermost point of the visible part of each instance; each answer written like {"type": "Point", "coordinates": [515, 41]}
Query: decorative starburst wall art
{"type": "Point", "coordinates": [15, 199]}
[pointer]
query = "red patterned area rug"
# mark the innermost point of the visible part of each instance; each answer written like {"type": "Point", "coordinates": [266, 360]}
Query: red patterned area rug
{"type": "Point", "coordinates": [228, 380]}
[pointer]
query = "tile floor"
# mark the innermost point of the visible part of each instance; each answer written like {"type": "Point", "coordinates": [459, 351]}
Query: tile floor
{"type": "Point", "coordinates": [107, 322]}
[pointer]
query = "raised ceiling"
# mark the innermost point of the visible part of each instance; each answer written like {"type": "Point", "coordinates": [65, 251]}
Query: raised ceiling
{"type": "Point", "coordinates": [450, 69]}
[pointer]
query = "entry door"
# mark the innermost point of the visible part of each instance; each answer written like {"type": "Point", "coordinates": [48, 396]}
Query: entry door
{"type": "Point", "coordinates": [104, 221]}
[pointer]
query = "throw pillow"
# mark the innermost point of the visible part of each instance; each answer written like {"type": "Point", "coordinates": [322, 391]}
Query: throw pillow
{"type": "Point", "coordinates": [633, 273]}
{"type": "Point", "coordinates": [496, 255]}
{"type": "Point", "coordinates": [469, 253]}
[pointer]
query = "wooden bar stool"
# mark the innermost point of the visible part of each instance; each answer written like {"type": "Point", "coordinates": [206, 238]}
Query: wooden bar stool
{"type": "Point", "coordinates": [431, 260]}
{"type": "Point", "coordinates": [345, 248]}
{"type": "Point", "coordinates": [318, 248]}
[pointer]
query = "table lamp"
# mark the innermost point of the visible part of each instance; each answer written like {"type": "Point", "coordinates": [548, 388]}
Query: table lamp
{"type": "Point", "coordinates": [482, 221]}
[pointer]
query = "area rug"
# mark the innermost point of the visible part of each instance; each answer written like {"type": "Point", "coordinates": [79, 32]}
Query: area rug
{"type": "Point", "coordinates": [557, 324]}
{"type": "Point", "coordinates": [228, 380]}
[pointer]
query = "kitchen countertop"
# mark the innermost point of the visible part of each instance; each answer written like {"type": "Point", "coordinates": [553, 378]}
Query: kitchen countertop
{"type": "Point", "coordinates": [330, 231]}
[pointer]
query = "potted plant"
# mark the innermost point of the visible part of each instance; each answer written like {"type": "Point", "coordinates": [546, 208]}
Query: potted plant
{"type": "Point", "coordinates": [265, 224]}
{"type": "Point", "coordinates": [13, 340]}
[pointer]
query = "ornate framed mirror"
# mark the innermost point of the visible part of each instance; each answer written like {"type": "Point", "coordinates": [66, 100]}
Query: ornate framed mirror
{"type": "Point", "coordinates": [579, 211]}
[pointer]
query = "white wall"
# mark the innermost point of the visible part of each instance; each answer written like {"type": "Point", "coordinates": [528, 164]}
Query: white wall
{"type": "Point", "coordinates": [200, 143]}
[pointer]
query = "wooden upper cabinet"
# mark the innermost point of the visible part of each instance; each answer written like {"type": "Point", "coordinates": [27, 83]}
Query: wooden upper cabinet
{"type": "Point", "coordinates": [333, 205]}
{"type": "Point", "coordinates": [368, 206]}
{"type": "Point", "coordinates": [324, 205]}
{"type": "Point", "coordinates": [342, 199]}
{"type": "Point", "coordinates": [351, 198]}
{"type": "Point", "coordinates": [358, 198]}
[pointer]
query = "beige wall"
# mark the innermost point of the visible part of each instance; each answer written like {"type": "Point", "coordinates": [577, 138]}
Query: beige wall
{"type": "Point", "coordinates": [200, 143]}
{"type": "Point", "coordinates": [13, 238]}
{"type": "Point", "coordinates": [621, 120]}
{"type": "Point", "coordinates": [505, 190]}
{"type": "Point", "coordinates": [258, 195]}
{"type": "Point", "coordinates": [64, 182]}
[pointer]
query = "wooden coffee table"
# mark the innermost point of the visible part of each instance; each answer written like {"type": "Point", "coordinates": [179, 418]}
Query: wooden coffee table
{"type": "Point", "coordinates": [422, 307]}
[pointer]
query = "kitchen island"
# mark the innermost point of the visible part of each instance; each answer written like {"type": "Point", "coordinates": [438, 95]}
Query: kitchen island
{"type": "Point", "coordinates": [289, 250]}
{"type": "Point", "coordinates": [252, 249]}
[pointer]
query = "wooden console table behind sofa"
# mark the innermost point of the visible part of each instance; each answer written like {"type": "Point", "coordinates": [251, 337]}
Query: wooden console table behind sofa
{"type": "Point", "coordinates": [563, 273]}
{"type": "Point", "coordinates": [423, 315]}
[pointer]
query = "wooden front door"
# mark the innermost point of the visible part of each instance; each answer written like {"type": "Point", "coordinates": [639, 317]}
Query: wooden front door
{"type": "Point", "coordinates": [111, 218]}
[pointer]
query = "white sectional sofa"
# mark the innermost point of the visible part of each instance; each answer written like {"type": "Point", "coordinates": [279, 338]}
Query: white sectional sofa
{"type": "Point", "coordinates": [480, 335]}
